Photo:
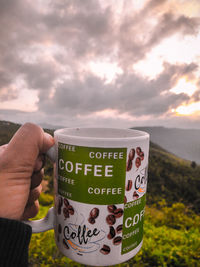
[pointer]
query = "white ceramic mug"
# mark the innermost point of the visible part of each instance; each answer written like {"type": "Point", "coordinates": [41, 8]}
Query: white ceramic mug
{"type": "Point", "coordinates": [100, 188]}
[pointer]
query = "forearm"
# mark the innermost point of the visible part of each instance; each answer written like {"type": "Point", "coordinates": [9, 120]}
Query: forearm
{"type": "Point", "coordinates": [14, 241]}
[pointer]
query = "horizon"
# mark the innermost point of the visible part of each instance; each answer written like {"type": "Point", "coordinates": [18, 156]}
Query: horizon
{"type": "Point", "coordinates": [136, 64]}
{"type": "Point", "coordinates": [44, 125]}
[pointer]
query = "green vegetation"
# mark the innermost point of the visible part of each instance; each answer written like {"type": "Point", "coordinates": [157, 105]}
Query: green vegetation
{"type": "Point", "coordinates": [172, 178]}
{"type": "Point", "coordinates": [172, 219]}
{"type": "Point", "coordinates": [171, 238]}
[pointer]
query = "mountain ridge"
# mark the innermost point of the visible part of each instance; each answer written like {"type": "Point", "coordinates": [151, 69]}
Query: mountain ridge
{"type": "Point", "coordinates": [169, 177]}
{"type": "Point", "coordinates": [184, 143]}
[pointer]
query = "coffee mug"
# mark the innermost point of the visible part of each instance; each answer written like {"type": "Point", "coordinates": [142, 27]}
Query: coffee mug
{"type": "Point", "coordinates": [99, 191]}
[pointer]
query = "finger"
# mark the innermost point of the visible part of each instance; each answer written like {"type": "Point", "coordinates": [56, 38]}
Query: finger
{"type": "Point", "coordinates": [3, 148]}
{"type": "Point", "coordinates": [29, 141]}
{"type": "Point", "coordinates": [31, 211]}
{"type": "Point", "coordinates": [48, 141]}
{"type": "Point", "coordinates": [36, 178]}
{"type": "Point", "coordinates": [34, 195]}
{"type": "Point", "coordinates": [40, 162]}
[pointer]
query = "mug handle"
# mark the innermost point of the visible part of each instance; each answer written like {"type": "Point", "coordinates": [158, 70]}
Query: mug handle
{"type": "Point", "coordinates": [47, 222]}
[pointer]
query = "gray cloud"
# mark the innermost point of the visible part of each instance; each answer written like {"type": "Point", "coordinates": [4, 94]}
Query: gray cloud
{"type": "Point", "coordinates": [84, 31]}
{"type": "Point", "coordinates": [130, 93]}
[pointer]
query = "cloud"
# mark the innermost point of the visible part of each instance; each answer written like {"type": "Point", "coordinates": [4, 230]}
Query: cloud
{"type": "Point", "coordinates": [129, 93]}
{"type": "Point", "coordinates": [48, 46]}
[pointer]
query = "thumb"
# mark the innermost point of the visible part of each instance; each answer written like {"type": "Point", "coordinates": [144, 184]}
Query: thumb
{"type": "Point", "coordinates": [48, 142]}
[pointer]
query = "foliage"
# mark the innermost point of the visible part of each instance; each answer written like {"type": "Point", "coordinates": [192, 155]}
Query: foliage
{"type": "Point", "coordinates": [173, 179]}
{"type": "Point", "coordinates": [170, 177]}
{"type": "Point", "coordinates": [171, 238]}
{"type": "Point", "coordinates": [46, 199]}
{"type": "Point", "coordinates": [172, 223]}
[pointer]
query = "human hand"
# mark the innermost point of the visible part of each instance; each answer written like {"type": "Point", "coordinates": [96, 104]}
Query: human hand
{"type": "Point", "coordinates": [21, 172]}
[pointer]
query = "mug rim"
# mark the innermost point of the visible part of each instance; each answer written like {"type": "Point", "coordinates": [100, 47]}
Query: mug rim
{"type": "Point", "coordinates": [120, 133]}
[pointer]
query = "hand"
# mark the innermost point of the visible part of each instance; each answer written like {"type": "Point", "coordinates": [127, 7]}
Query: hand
{"type": "Point", "coordinates": [21, 162]}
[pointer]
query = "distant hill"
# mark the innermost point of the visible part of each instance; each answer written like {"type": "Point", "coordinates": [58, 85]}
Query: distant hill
{"type": "Point", "coordinates": [7, 130]}
{"type": "Point", "coordinates": [184, 143]}
{"type": "Point", "coordinates": [172, 178]}
{"type": "Point", "coordinates": [169, 177]}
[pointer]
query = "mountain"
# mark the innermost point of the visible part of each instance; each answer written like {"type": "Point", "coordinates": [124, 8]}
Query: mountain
{"type": "Point", "coordinates": [173, 179]}
{"type": "Point", "coordinates": [169, 177]}
{"type": "Point", "coordinates": [50, 126]}
{"type": "Point", "coordinates": [7, 130]}
{"type": "Point", "coordinates": [184, 143]}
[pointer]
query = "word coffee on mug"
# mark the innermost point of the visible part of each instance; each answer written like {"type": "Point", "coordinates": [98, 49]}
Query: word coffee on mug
{"type": "Point", "coordinates": [100, 190]}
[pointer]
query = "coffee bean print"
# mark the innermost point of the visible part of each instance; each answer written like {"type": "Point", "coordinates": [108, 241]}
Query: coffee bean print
{"type": "Point", "coordinates": [60, 202]}
{"type": "Point", "coordinates": [131, 154]}
{"type": "Point", "coordinates": [59, 210]}
{"type": "Point", "coordinates": [138, 162]}
{"type": "Point", "coordinates": [111, 208]}
{"type": "Point", "coordinates": [142, 155]}
{"type": "Point", "coordinates": [125, 199]}
{"type": "Point", "coordinates": [59, 229]}
{"type": "Point", "coordinates": [135, 195]}
{"type": "Point", "coordinates": [71, 210]}
{"type": "Point", "coordinates": [65, 244]}
{"type": "Point", "coordinates": [111, 233]}
{"type": "Point", "coordinates": [94, 213]}
{"type": "Point", "coordinates": [138, 150]}
{"type": "Point", "coordinates": [119, 229]}
{"type": "Point", "coordinates": [66, 202]}
{"type": "Point", "coordinates": [129, 185]}
{"type": "Point", "coordinates": [117, 240]}
{"type": "Point", "coordinates": [105, 250]}
{"type": "Point", "coordinates": [110, 219]}
{"type": "Point", "coordinates": [91, 220]}
{"type": "Point", "coordinates": [118, 213]}
{"type": "Point", "coordinates": [129, 165]}
{"type": "Point", "coordinates": [66, 213]}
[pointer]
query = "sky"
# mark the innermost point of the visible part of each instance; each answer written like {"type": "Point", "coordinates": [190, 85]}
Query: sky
{"type": "Point", "coordinates": [82, 63]}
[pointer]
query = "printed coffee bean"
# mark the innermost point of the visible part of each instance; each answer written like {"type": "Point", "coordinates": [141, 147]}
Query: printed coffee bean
{"type": "Point", "coordinates": [65, 244]}
{"type": "Point", "coordinates": [59, 210]}
{"type": "Point", "coordinates": [60, 202]}
{"type": "Point", "coordinates": [137, 162]}
{"type": "Point", "coordinates": [59, 229]}
{"type": "Point", "coordinates": [105, 250]}
{"type": "Point", "coordinates": [66, 202]}
{"type": "Point", "coordinates": [135, 194]}
{"type": "Point", "coordinates": [119, 229]}
{"type": "Point", "coordinates": [91, 220]}
{"type": "Point", "coordinates": [110, 219]}
{"type": "Point", "coordinates": [131, 154]}
{"type": "Point", "coordinates": [111, 208]}
{"type": "Point", "coordinates": [142, 155]}
{"type": "Point", "coordinates": [94, 213]}
{"type": "Point", "coordinates": [111, 233]}
{"type": "Point", "coordinates": [117, 240]}
{"type": "Point", "coordinates": [125, 199]}
{"type": "Point", "coordinates": [65, 213]}
{"type": "Point", "coordinates": [118, 213]}
{"type": "Point", "coordinates": [138, 150]}
{"type": "Point", "coordinates": [129, 185]}
{"type": "Point", "coordinates": [71, 210]}
{"type": "Point", "coordinates": [129, 165]}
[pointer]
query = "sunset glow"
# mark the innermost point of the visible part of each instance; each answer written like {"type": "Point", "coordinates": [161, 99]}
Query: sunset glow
{"type": "Point", "coordinates": [185, 87]}
{"type": "Point", "coordinates": [193, 108]}
{"type": "Point", "coordinates": [105, 70]}
{"type": "Point", "coordinates": [118, 62]}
